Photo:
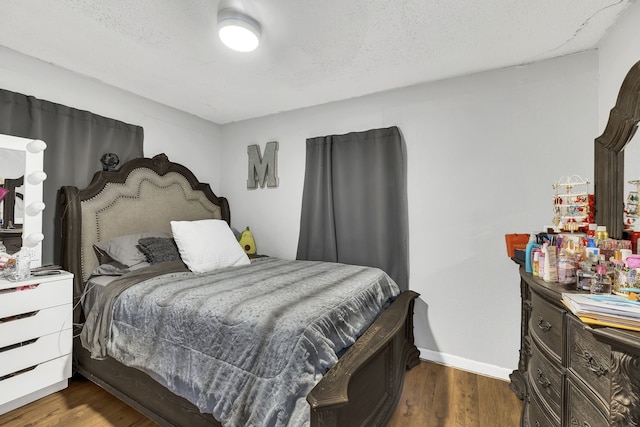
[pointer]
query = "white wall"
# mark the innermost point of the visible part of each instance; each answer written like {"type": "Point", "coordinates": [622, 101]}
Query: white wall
{"type": "Point", "coordinates": [618, 52]}
{"type": "Point", "coordinates": [483, 153]}
{"type": "Point", "coordinates": [183, 137]}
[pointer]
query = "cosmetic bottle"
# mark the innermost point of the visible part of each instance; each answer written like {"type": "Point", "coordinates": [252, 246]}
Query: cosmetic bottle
{"type": "Point", "coordinates": [541, 264]}
{"type": "Point", "coordinates": [601, 282]}
{"type": "Point", "coordinates": [566, 268]}
{"type": "Point", "coordinates": [550, 264]}
{"type": "Point", "coordinates": [601, 234]}
{"type": "Point", "coordinates": [536, 262]}
{"type": "Point", "coordinates": [591, 251]}
{"type": "Point", "coordinates": [528, 255]}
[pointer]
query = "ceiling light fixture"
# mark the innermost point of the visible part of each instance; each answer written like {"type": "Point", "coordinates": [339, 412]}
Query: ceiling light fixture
{"type": "Point", "coordinates": [238, 31]}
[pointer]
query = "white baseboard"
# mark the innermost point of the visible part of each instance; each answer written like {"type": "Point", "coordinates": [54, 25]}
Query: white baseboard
{"type": "Point", "coordinates": [465, 364]}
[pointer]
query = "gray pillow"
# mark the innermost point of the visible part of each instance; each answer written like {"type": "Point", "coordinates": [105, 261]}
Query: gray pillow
{"type": "Point", "coordinates": [158, 249]}
{"type": "Point", "coordinates": [113, 268]}
{"type": "Point", "coordinates": [124, 249]}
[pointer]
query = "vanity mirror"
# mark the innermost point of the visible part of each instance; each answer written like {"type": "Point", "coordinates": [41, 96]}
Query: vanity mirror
{"type": "Point", "coordinates": [609, 154]}
{"type": "Point", "coordinates": [21, 163]}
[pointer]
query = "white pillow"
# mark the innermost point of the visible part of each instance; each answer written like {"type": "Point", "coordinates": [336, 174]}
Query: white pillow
{"type": "Point", "coordinates": [207, 245]}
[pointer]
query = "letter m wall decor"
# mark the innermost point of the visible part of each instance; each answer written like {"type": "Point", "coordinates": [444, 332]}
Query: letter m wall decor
{"type": "Point", "coordinates": [263, 168]}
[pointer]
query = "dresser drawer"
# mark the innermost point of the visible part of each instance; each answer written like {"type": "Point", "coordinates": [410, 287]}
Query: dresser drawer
{"type": "Point", "coordinates": [589, 359]}
{"type": "Point", "coordinates": [545, 380]}
{"type": "Point", "coordinates": [33, 352]}
{"type": "Point", "coordinates": [545, 324]}
{"type": "Point", "coordinates": [45, 294]}
{"type": "Point", "coordinates": [41, 376]}
{"type": "Point", "coordinates": [538, 416]}
{"type": "Point", "coordinates": [581, 411]}
{"type": "Point", "coordinates": [42, 322]}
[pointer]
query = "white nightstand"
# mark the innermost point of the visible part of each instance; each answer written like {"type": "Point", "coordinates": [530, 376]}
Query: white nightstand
{"type": "Point", "coordinates": [35, 338]}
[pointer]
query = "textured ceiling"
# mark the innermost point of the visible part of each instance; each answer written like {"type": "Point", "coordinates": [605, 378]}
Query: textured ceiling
{"type": "Point", "coordinates": [312, 52]}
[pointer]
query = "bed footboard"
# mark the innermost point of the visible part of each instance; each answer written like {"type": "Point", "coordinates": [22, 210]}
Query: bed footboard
{"type": "Point", "coordinates": [363, 388]}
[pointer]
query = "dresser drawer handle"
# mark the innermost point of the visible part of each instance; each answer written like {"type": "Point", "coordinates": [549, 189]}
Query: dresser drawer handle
{"type": "Point", "coordinates": [537, 423]}
{"type": "Point", "coordinates": [543, 324]}
{"type": "Point", "coordinates": [593, 365]}
{"type": "Point", "coordinates": [544, 381]}
{"type": "Point", "coordinates": [17, 345]}
{"type": "Point", "coordinates": [22, 371]}
{"type": "Point", "coordinates": [19, 316]}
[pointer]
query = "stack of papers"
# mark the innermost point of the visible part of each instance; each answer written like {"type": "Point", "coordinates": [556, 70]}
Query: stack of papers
{"type": "Point", "coordinates": [605, 310]}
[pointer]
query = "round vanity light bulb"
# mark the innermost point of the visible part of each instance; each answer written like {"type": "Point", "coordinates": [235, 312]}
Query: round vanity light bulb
{"type": "Point", "coordinates": [238, 31]}
{"type": "Point", "coordinates": [33, 239]}
{"type": "Point", "coordinates": [35, 208]}
{"type": "Point", "coordinates": [36, 177]}
{"type": "Point", "coordinates": [36, 146]}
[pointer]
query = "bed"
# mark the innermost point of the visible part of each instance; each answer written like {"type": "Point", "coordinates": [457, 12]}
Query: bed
{"type": "Point", "coordinates": [145, 195]}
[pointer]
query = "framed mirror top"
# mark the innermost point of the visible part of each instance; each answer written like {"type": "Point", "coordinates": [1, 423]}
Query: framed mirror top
{"type": "Point", "coordinates": [609, 155]}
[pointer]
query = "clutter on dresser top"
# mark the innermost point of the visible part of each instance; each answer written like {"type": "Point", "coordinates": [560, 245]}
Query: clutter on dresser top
{"type": "Point", "coordinates": [579, 254]}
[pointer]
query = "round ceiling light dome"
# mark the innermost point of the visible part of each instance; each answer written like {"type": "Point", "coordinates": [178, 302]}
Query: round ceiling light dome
{"type": "Point", "coordinates": [238, 31]}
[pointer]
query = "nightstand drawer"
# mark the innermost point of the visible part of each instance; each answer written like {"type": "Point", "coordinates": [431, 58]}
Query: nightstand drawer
{"type": "Point", "coordinates": [44, 295]}
{"type": "Point", "coordinates": [545, 380]}
{"type": "Point", "coordinates": [41, 376]}
{"type": "Point", "coordinates": [582, 411]}
{"type": "Point", "coordinates": [545, 324]}
{"type": "Point", "coordinates": [39, 323]}
{"type": "Point", "coordinates": [589, 359]}
{"type": "Point", "coordinates": [33, 352]}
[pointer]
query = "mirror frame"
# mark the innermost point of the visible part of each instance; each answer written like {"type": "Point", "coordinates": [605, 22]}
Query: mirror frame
{"type": "Point", "coordinates": [32, 196]}
{"type": "Point", "coordinates": [609, 155]}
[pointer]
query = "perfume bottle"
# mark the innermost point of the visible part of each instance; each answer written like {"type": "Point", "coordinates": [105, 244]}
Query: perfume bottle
{"type": "Point", "coordinates": [601, 282]}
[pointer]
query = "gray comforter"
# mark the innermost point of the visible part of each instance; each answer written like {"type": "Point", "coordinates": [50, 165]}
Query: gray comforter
{"type": "Point", "coordinates": [245, 344]}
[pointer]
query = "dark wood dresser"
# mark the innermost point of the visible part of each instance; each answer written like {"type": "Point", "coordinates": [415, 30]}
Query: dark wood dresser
{"type": "Point", "coordinates": [571, 374]}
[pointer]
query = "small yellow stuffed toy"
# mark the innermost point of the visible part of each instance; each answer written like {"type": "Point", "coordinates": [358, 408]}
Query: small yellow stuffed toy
{"type": "Point", "coordinates": [247, 242]}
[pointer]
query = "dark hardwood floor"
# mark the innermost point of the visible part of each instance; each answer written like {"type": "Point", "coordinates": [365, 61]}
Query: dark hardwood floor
{"type": "Point", "coordinates": [433, 395]}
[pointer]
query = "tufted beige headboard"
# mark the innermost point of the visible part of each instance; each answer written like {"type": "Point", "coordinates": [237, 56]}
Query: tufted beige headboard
{"type": "Point", "coordinates": [143, 195]}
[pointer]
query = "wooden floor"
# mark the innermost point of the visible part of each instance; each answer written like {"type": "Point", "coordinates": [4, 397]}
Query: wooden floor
{"type": "Point", "coordinates": [440, 396]}
{"type": "Point", "coordinates": [433, 395]}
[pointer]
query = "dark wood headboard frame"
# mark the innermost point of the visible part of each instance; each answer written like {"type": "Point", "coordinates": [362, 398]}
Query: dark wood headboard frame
{"type": "Point", "coordinates": [71, 198]}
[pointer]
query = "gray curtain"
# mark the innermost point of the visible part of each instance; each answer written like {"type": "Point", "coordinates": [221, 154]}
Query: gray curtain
{"type": "Point", "coordinates": [354, 204]}
{"type": "Point", "coordinates": [75, 140]}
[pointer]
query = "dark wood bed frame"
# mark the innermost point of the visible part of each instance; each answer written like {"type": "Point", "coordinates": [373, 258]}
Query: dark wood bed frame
{"type": "Point", "coordinates": [362, 389]}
